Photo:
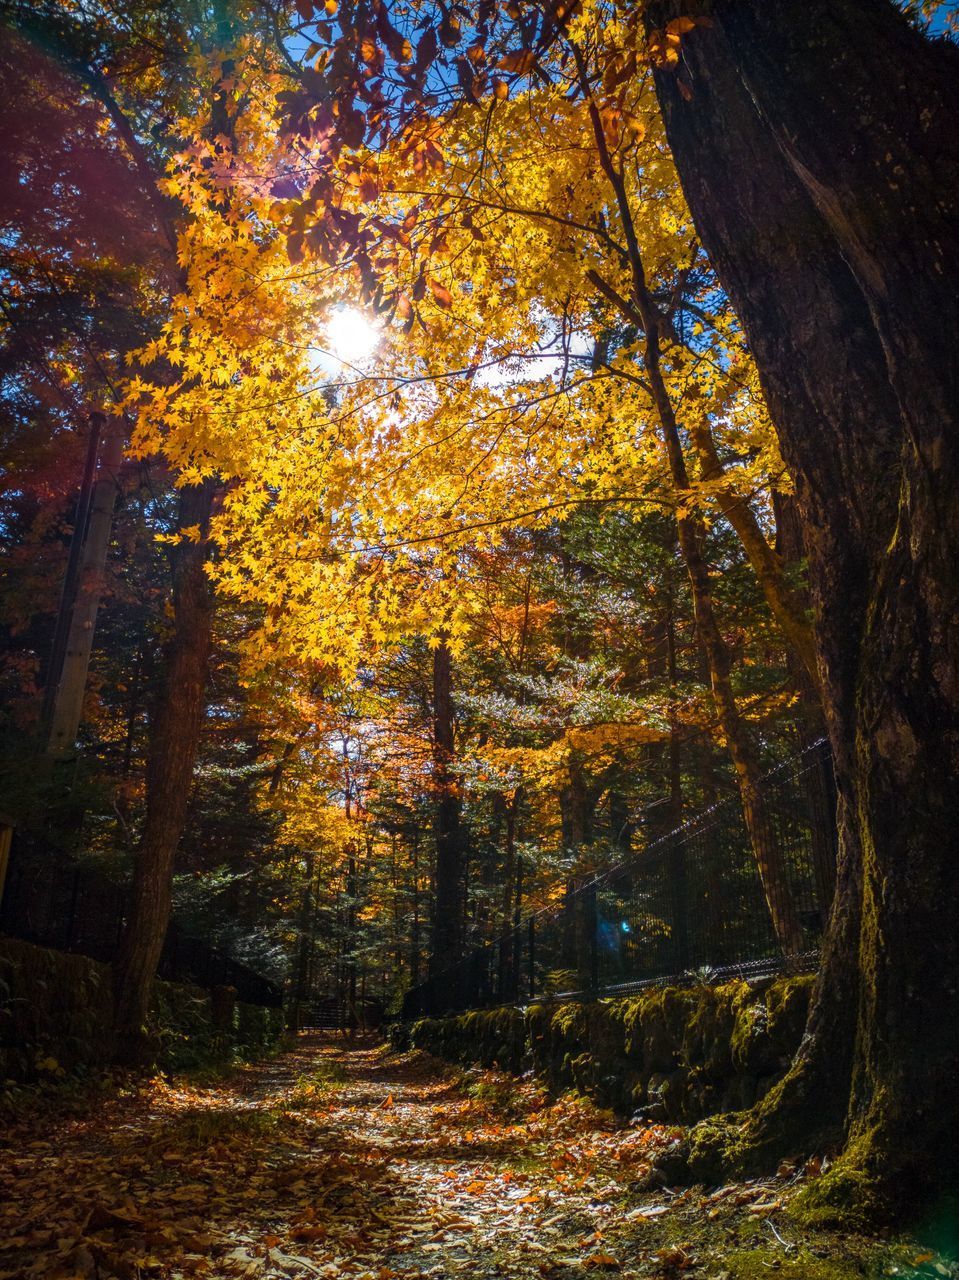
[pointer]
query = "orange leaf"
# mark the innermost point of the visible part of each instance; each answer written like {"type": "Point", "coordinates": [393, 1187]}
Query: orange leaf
{"type": "Point", "coordinates": [441, 294]}
{"type": "Point", "coordinates": [520, 60]}
{"type": "Point", "coordinates": [308, 1233]}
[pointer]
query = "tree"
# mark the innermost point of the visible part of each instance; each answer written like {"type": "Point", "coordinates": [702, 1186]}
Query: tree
{"type": "Point", "coordinates": [135, 80]}
{"type": "Point", "coordinates": [449, 901]}
{"type": "Point", "coordinates": [174, 736]}
{"type": "Point", "coordinates": [818, 146]}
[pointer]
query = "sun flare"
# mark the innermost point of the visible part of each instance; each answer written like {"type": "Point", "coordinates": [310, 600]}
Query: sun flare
{"type": "Point", "coordinates": [351, 335]}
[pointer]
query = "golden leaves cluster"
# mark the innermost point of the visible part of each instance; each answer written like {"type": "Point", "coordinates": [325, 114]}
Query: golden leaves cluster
{"type": "Point", "coordinates": [505, 390]}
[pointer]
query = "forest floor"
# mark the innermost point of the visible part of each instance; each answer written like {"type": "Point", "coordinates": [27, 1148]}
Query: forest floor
{"type": "Point", "coordinates": [339, 1159]}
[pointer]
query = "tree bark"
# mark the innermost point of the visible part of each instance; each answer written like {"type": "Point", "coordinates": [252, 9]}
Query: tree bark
{"type": "Point", "coordinates": [71, 577]}
{"type": "Point", "coordinates": [301, 982]}
{"type": "Point", "coordinates": [415, 924]}
{"type": "Point", "coordinates": [818, 147]}
{"type": "Point", "coordinates": [449, 917]}
{"type": "Point", "coordinates": [67, 711]}
{"type": "Point", "coordinates": [507, 930]}
{"type": "Point", "coordinates": [174, 737]}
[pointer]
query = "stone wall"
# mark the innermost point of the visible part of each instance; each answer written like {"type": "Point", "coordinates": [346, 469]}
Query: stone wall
{"type": "Point", "coordinates": [670, 1053]}
{"type": "Point", "coordinates": [55, 1017]}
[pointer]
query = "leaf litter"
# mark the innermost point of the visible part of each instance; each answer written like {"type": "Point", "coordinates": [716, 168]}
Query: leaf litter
{"type": "Point", "coordinates": [348, 1160]}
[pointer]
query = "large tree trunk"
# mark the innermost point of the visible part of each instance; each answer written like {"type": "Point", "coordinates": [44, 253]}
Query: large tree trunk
{"type": "Point", "coordinates": [818, 146]}
{"type": "Point", "coordinates": [449, 916]}
{"type": "Point", "coordinates": [173, 744]}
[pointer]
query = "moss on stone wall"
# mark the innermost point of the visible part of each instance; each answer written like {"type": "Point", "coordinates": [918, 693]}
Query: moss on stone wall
{"type": "Point", "coordinates": [670, 1053]}
{"type": "Point", "coordinates": [488, 1037]}
{"type": "Point", "coordinates": [55, 1013]}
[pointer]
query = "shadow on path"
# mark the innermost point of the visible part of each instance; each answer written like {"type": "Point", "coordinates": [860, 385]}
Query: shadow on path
{"type": "Point", "coordinates": [346, 1159]}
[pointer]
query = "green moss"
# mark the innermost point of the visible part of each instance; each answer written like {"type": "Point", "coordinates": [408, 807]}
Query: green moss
{"type": "Point", "coordinates": [707, 1041]}
{"type": "Point", "coordinates": [713, 1145]}
{"type": "Point", "coordinates": [56, 1012]}
{"type": "Point", "coordinates": [681, 1053]}
{"type": "Point", "coordinates": [755, 1263]}
{"type": "Point", "coordinates": [787, 1002]}
{"type": "Point", "coordinates": [768, 1024]}
{"type": "Point", "coordinates": [489, 1037]}
{"type": "Point", "coordinates": [849, 1195]}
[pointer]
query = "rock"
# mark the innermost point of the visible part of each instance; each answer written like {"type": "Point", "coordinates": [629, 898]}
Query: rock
{"type": "Point", "coordinates": [672, 1165]}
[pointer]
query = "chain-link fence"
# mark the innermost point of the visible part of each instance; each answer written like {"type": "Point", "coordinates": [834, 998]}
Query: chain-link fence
{"type": "Point", "coordinates": [710, 895]}
{"type": "Point", "coordinates": [50, 899]}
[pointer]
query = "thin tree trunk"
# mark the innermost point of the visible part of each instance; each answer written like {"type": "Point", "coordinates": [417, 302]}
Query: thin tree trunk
{"type": "Point", "coordinates": [67, 704]}
{"type": "Point", "coordinates": [677, 869]}
{"type": "Point", "coordinates": [448, 903]}
{"type": "Point", "coordinates": [174, 736]}
{"type": "Point", "coordinates": [507, 956]}
{"type": "Point", "coordinates": [763, 838]}
{"type": "Point", "coordinates": [576, 818]}
{"type": "Point", "coordinates": [415, 929]}
{"type": "Point", "coordinates": [642, 310]}
{"type": "Point", "coordinates": [352, 891]}
{"type": "Point", "coordinates": [818, 782]}
{"type": "Point", "coordinates": [304, 930]}
{"type": "Point", "coordinates": [71, 577]}
{"type": "Point", "coordinates": [133, 714]}
{"type": "Point", "coordinates": [785, 605]}
{"type": "Point", "coordinates": [818, 146]}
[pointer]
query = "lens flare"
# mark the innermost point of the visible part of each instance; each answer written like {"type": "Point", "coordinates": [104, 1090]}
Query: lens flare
{"type": "Point", "coordinates": [351, 336]}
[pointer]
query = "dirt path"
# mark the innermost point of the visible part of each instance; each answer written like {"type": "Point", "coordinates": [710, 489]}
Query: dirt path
{"type": "Point", "coordinates": [339, 1160]}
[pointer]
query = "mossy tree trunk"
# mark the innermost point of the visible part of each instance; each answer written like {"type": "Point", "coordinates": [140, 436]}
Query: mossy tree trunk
{"type": "Point", "coordinates": [818, 147]}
